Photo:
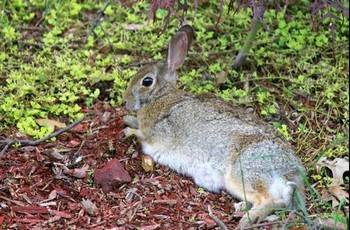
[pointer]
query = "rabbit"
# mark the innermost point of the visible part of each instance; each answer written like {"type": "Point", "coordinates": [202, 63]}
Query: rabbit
{"type": "Point", "coordinates": [222, 147]}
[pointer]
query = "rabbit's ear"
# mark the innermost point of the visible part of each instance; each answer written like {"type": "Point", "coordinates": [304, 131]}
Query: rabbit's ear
{"type": "Point", "coordinates": [177, 50]}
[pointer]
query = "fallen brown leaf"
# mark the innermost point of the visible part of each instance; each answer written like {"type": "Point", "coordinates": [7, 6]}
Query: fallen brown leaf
{"type": "Point", "coordinates": [221, 78]}
{"type": "Point", "coordinates": [338, 193]}
{"type": "Point", "coordinates": [50, 123]}
{"type": "Point", "coordinates": [147, 163]}
{"type": "Point", "coordinates": [78, 172]}
{"type": "Point", "coordinates": [338, 167]}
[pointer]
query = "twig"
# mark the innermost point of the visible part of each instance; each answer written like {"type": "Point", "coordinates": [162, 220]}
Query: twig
{"type": "Point", "coordinates": [30, 28]}
{"type": "Point", "coordinates": [216, 219]}
{"type": "Point", "coordinates": [41, 45]}
{"type": "Point", "coordinates": [5, 148]}
{"type": "Point", "coordinates": [256, 24]}
{"type": "Point", "coordinates": [80, 147]}
{"type": "Point", "coordinates": [98, 19]}
{"type": "Point", "coordinates": [284, 226]}
{"type": "Point", "coordinates": [8, 142]}
{"type": "Point", "coordinates": [16, 202]}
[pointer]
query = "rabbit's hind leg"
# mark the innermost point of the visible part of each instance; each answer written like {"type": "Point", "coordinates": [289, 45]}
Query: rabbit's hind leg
{"type": "Point", "coordinates": [262, 206]}
{"type": "Point", "coordinates": [254, 192]}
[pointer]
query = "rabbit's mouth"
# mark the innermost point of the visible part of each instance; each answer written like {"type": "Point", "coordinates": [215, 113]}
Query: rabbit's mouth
{"type": "Point", "coordinates": [133, 106]}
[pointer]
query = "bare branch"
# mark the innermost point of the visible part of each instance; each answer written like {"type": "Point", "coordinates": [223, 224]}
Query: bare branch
{"type": "Point", "coordinates": [8, 142]}
{"type": "Point", "coordinates": [97, 20]}
{"type": "Point", "coordinates": [216, 219]}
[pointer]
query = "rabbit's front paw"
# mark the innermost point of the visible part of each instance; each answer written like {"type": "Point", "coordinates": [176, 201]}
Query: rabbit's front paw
{"type": "Point", "coordinates": [241, 206]}
{"type": "Point", "coordinates": [131, 121]}
{"type": "Point", "coordinates": [129, 132]}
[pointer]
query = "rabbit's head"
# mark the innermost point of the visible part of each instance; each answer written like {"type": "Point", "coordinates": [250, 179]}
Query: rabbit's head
{"type": "Point", "coordinates": [157, 80]}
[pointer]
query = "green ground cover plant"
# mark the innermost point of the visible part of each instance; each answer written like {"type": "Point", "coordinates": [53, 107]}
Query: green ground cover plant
{"type": "Point", "coordinates": [59, 57]}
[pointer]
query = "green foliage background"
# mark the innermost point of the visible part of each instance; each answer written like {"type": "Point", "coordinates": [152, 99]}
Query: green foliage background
{"type": "Point", "coordinates": [51, 61]}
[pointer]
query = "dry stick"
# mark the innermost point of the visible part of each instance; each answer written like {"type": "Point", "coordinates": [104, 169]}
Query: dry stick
{"type": "Point", "coordinates": [255, 26]}
{"type": "Point", "coordinates": [216, 219]}
{"type": "Point", "coordinates": [97, 19]}
{"type": "Point", "coordinates": [9, 142]}
{"type": "Point", "coordinates": [30, 28]}
{"type": "Point", "coordinates": [41, 45]}
{"type": "Point", "coordinates": [284, 226]}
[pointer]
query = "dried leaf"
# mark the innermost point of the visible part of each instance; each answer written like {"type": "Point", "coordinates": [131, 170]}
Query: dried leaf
{"type": "Point", "coordinates": [105, 49]}
{"type": "Point", "coordinates": [147, 163]}
{"type": "Point", "coordinates": [78, 172]}
{"type": "Point", "coordinates": [50, 123]}
{"type": "Point", "coordinates": [221, 78]}
{"type": "Point", "coordinates": [26, 198]}
{"type": "Point", "coordinates": [89, 207]}
{"type": "Point", "coordinates": [338, 193]}
{"type": "Point", "coordinates": [106, 116]}
{"type": "Point", "coordinates": [338, 166]}
{"type": "Point", "coordinates": [57, 155]}
{"type": "Point", "coordinates": [52, 195]}
{"type": "Point", "coordinates": [19, 203]}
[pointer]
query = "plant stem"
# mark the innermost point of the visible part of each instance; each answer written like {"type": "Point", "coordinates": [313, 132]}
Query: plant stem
{"type": "Point", "coordinates": [238, 62]}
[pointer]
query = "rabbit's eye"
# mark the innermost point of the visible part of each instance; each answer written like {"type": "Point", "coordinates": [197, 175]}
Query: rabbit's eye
{"type": "Point", "coordinates": [147, 81]}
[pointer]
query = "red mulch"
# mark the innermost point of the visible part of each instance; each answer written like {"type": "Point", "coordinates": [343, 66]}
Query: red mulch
{"type": "Point", "coordinates": [50, 186]}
